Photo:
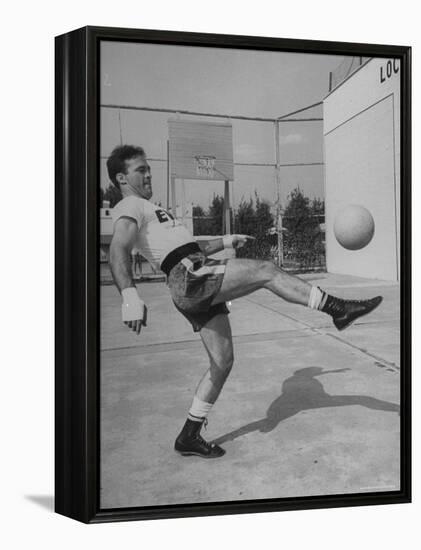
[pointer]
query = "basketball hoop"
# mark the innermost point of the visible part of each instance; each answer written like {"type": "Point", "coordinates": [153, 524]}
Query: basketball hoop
{"type": "Point", "coordinates": [200, 150]}
{"type": "Point", "coordinates": [205, 165]}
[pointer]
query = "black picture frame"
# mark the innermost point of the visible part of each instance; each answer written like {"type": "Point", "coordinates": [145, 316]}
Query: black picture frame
{"type": "Point", "coordinates": [77, 276]}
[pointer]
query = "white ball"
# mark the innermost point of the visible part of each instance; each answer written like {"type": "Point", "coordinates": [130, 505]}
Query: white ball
{"type": "Point", "coordinates": [354, 227]}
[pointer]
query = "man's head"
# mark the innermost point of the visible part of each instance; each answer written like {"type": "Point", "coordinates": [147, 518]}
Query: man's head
{"type": "Point", "coordinates": [130, 172]}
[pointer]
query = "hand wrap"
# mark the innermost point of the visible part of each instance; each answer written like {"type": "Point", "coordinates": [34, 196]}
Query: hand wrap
{"type": "Point", "coordinates": [132, 308]}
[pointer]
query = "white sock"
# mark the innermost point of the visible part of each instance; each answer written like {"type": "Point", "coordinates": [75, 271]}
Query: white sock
{"type": "Point", "coordinates": [199, 409]}
{"type": "Point", "coordinates": [317, 298]}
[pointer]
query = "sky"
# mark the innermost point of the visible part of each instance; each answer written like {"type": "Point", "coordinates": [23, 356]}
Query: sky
{"type": "Point", "coordinates": [227, 82]}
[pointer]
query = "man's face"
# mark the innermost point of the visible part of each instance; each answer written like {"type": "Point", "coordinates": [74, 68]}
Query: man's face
{"type": "Point", "coordinates": [137, 180]}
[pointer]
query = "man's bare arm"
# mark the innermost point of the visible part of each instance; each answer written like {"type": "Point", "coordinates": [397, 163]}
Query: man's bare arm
{"type": "Point", "coordinates": [134, 311]}
{"type": "Point", "coordinates": [212, 246]}
{"type": "Point", "coordinates": [124, 237]}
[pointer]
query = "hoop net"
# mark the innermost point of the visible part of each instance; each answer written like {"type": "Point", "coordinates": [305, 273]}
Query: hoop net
{"type": "Point", "coordinates": [205, 165]}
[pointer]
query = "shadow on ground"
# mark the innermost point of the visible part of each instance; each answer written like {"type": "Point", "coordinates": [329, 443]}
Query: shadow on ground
{"type": "Point", "coordinates": [301, 392]}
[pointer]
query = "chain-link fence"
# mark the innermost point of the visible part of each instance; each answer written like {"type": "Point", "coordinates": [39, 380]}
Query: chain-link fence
{"type": "Point", "coordinates": [303, 244]}
{"type": "Point", "coordinates": [295, 243]}
{"type": "Point", "coordinates": [273, 158]}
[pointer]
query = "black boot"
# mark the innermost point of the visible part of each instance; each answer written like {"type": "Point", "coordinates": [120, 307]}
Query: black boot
{"type": "Point", "coordinates": [189, 442]}
{"type": "Point", "coordinates": [345, 312]}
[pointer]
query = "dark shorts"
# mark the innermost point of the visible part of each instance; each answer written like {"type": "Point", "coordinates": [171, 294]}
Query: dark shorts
{"type": "Point", "coordinates": [194, 283]}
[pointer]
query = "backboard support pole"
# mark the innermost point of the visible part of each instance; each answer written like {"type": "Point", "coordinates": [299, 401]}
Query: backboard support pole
{"type": "Point", "coordinates": [227, 225]}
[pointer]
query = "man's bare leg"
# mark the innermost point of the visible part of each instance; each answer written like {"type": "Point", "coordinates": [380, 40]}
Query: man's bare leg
{"type": "Point", "coordinates": [245, 276]}
{"type": "Point", "coordinates": [217, 339]}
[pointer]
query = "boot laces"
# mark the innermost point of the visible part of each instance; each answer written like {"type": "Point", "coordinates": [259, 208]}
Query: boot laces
{"type": "Point", "coordinates": [203, 441]}
{"type": "Point", "coordinates": [338, 305]}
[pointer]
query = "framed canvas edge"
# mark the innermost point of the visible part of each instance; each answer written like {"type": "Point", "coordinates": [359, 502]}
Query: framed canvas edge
{"type": "Point", "coordinates": [77, 457]}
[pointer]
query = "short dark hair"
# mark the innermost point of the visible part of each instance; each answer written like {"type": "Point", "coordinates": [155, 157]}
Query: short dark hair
{"type": "Point", "coordinates": [116, 162]}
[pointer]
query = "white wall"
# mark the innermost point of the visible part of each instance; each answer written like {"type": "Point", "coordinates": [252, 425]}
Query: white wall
{"type": "Point", "coordinates": [362, 155]}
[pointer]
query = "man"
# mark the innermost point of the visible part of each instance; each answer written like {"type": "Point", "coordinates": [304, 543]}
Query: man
{"type": "Point", "coordinates": [199, 286]}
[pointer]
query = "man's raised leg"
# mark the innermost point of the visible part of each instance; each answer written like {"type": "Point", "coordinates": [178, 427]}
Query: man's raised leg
{"type": "Point", "coordinates": [244, 276]}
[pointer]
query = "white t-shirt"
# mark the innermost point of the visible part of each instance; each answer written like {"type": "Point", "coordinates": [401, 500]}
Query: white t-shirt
{"type": "Point", "coordinates": [159, 233]}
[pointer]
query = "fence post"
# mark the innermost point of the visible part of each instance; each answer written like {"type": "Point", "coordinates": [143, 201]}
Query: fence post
{"type": "Point", "coordinates": [280, 239]}
{"type": "Point", "coordinates": [173, 199]}
{"type": "Point", "coordinates": [227, 218]}
{"type": "Point", "coordinates": [168, 174]}
{"type": "Point", "coordinates": [278, 194]}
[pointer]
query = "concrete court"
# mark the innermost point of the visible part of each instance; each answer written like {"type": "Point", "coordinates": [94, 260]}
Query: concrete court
{"type": "Point", "coordinates": [306, 410]}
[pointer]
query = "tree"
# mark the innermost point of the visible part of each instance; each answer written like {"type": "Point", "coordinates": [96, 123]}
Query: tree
{"type": "Point", "coordinates": [303, 239]}
{"type": "Point", "coordinates": [245, 218]}
{"type": "Point", "coordinates": [255, 221]}
{"type": "Point", "coordinates": [200, 221]}
{"type": "Point", "coordinates": [216, 215]}
{"type": "Point", "coordinates": [212, 221]}
{"type": "Point", "coordinates": [318, 207]}
{"type": "Point", "coordinates": [265, 222]}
